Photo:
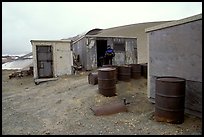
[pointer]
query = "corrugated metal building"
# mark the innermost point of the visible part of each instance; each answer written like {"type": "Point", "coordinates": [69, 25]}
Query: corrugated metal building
{"type": "Point", "coordinates": [51, 58]}
{"type": "Point", "coordinates": [175, 49]}
{"type": "Point", "coordinates": [129, 43]}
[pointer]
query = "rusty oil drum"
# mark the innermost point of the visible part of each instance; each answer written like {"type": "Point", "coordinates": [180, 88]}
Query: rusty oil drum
{"type": "Point", "coordinates": [93, 78]}
{"type": "Point", "coordinates": [106, 81]}
{"type": "Point", "coordinates": [170, 99]}
{"type": "Point", "coordinates": [135, 71]}
{"type": "Point", "coordinates": [116, 72]}
{"type": "Point", "coordinates": [124, 73]}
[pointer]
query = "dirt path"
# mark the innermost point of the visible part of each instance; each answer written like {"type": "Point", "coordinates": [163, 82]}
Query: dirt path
{"type": "Point", "coordinates": [63, 107]}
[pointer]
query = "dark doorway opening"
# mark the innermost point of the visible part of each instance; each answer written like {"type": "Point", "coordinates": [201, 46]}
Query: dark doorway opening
{"type": "Point", "coordinates": [101, 46]}
{"type": "Point", "coordinates": [44, 61]}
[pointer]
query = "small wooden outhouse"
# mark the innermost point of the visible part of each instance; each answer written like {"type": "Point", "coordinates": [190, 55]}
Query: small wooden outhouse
{"type": "Point", "coordinates": [51, 58]}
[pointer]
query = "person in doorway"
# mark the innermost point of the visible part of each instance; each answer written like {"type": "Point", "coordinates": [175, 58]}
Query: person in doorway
{"type": "Point", "coordinates": [109, 54]}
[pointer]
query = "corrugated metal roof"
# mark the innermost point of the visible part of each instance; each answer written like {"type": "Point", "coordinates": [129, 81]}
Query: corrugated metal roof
{"type": "Point", "coordinates": [174, 23]}
{"type": "Point", "coordinates": [81, 36]}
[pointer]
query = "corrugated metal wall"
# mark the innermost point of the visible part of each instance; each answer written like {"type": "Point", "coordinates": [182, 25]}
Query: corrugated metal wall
{"type": "Point", "coordinates": [79, 48]}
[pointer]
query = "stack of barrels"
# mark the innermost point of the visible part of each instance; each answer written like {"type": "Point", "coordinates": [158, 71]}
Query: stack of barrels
{"type": "Point", "coordinates": [108, 76]}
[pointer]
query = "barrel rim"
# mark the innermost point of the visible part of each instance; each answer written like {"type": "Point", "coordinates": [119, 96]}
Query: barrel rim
{"type": "Point", "coordinates": [107, 69]}
{"type": "Point", "coordinates": [124, 66]}
{"type": "Point", "coordinates": [135, 65]}
{"type": "Point", "coordinates": [171, 79]}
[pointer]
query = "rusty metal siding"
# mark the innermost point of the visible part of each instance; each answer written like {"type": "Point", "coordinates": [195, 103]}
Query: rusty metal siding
{"type": "Point", "coordinates": [79, 48]}
{"type": "Point", "coordinates": [129, 56]}
{"type": "Point", "coordinates": [91, 55]}
{"type": "Point", "coordinates": [131, 51]}
{"type": "Point", "coordinates": [87, 49]}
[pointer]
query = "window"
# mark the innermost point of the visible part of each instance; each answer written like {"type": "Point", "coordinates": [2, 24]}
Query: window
{"type": "Point", "coordinates": [119, 47]}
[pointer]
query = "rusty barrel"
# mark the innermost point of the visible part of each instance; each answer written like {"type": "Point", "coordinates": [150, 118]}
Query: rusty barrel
{"type": "Point", "coordinates": [135, 71]}
{"type": "Point", "coordinates": [170, 99]}
{"type": "Point", "coordinates": [106, 81]}
{"type": "Point", "coordinates": [116, 71]}
{"type": "Point", "coordinates": [124, 73]}
{"type": "Point", "coordinates": [93, 78]}
{"type": "Point", "coordinates": [144, 70]}
{"type": "Point", "coordinates": [111, 108]}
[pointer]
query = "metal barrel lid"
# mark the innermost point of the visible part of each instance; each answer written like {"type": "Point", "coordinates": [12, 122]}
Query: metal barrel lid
{"type": "Point", "coordinates": [128, 66]}
{"type": "Point", "coordinates": [106, 69]}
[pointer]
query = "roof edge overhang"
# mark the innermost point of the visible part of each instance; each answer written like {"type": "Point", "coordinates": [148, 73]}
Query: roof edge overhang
{"type": "Point", "coordinates": [50, 41]}
{"type": "Point", "coordinates": [78, 39]}
{"type": "Point", "coordinates": [175, 23]}
{"type": "Point", "coordinates": [98, 36]}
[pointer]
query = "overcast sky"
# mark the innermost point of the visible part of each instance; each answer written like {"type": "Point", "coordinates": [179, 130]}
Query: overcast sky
{"type": "Point", "coordinates": [25, 21]}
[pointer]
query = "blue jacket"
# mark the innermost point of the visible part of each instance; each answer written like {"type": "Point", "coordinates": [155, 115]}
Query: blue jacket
{"type": "Point", "coordinates": [110, 53]}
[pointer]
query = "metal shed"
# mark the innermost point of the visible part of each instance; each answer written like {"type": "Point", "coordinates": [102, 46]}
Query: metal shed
{"type": "Point", "coordinates": [129, 43]}
{"type": "Point", "coordinates": [125, 50]}
{"type": "Point", "coordinates": [51, 58]}
{"type": "Point", "coordinates": [175, 49]}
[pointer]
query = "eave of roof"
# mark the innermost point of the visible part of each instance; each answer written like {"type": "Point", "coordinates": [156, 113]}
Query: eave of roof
{"type": "Point", "coordinates": [50, 41]}
{"type": "Point", "coordinates": [175, 23]}
{"type": "Point", "coordinates": [95, 36]}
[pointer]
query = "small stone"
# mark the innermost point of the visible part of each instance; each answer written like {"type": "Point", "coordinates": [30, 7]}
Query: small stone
{"type": "Point", "coordinates": [187, 129]}
{"type": "Point", "coordinates": [47, 132]}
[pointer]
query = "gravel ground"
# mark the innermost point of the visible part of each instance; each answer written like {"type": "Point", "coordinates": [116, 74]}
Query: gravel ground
{"type": "Point", "coordinates": [63, 107]}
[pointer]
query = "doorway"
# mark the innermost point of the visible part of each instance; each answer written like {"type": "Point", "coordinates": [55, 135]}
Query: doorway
{"type": "Point", "coordinates": [101, 46]}
{"type": "Point", "coordinates": [44, 61]}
